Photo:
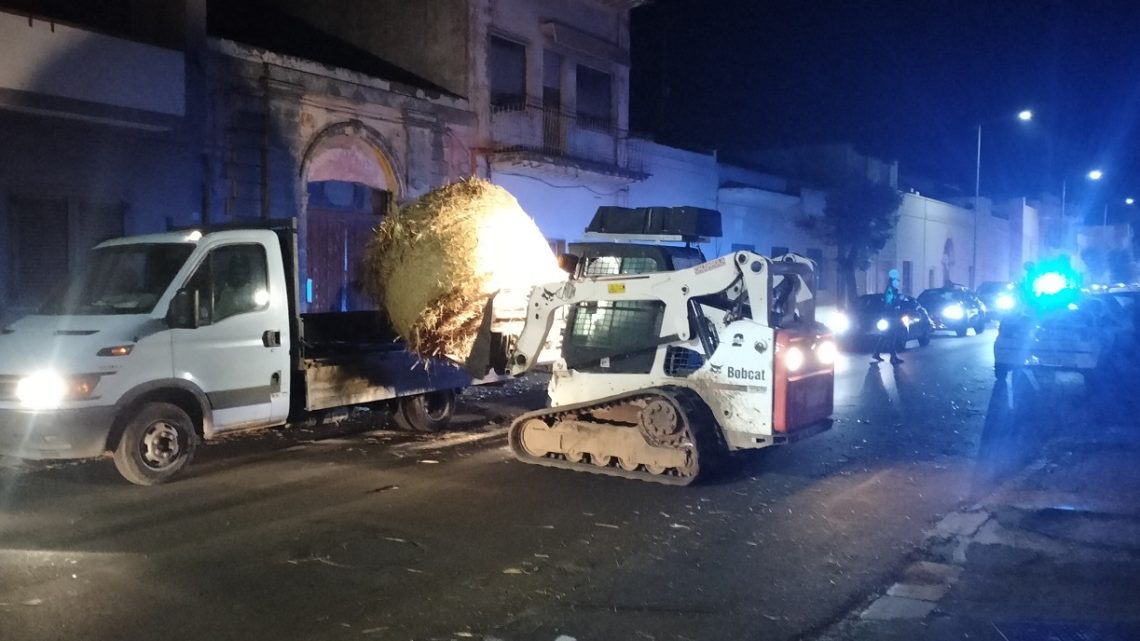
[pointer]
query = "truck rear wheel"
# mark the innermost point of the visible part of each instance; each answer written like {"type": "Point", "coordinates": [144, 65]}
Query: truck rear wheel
{"type": "Point", "coordinates": [428, 412]}
{"type": "Point", "coordinates": [156, 445]}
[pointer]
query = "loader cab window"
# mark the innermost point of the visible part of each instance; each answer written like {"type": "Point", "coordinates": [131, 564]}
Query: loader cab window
{"type": "Point", "coordinates": [232, 280]}
{"type": "Point", "coordinates": [615, 265]}
{"type": "Point", "coordinates": [613, 336]}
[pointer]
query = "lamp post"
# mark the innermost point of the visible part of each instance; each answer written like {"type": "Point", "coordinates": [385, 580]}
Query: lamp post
{"type": "Point", "coordinates": [1093, 175]}
{"type": "Point", "coordinates": [1025, 115]}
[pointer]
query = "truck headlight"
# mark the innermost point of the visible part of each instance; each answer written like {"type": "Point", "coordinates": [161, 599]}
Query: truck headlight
{"type": "Point", "coordinates": [882, 325]}
{"type": "Point", "coordinates": [794, 359]}
{"type": "Point", "coordinates": [953, 312]}
{"type": "Point", "coordinates": [46, 390]}
{"type": "Point", "coordinates": [1004, 302]}
{"type": "Point", "coordinates": [43, 390]}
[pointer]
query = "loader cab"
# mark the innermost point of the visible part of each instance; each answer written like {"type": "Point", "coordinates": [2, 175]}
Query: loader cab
{"type": "Point", "coordinates": [641, 240]}
{"type": "Point", "coordinates": [612, 258]}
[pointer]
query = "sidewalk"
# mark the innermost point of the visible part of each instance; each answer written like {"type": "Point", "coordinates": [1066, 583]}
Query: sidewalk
{"type": "Point", "coordinates": [1053, 554]}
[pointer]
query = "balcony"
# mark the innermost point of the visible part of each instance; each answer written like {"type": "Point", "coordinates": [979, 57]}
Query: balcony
{"type": "Point", "coordinates": [540, 136]}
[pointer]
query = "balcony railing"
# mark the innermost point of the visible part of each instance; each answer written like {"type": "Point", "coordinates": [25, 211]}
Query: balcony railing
{"type": "Point", "coordinates": [555, 133]}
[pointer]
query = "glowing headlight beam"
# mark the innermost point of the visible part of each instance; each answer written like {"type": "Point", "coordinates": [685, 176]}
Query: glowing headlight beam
{"type": "Point", "coordinates": [826, 352]}
{"type": "Point", "coordinates": [839, 323]}
{"type": "Point", "coordinates": [43, 390]}
{"type": "Point", "coordinates": [794, 359]}
{"type": "Point", "coordinates": [953, 312]}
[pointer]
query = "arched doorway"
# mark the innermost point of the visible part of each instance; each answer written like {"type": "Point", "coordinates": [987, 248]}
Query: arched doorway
{"type": "Point", "coordinates": [349, 185]}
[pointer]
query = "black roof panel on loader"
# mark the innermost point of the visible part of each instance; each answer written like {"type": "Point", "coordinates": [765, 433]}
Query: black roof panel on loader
{"type": "Point", "coordinates": [690, 223]}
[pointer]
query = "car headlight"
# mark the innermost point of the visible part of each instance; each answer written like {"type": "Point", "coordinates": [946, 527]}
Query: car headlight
{"type": "Point", "coordinates": [839, 323]}
{"type": "Point", "coordinates": [882, 325]}
{"type": "Point", "coordinates": [46, 390]}
{"type": "Point", "coordinates": [1004, 302]}
{"type": "Point", "coordinates": [43, 390]}
{"type": "Point", "coordinates": [826, 352]}
{"type": "Point", "coordinates": [953, 312]}
{"type": "Point", "coordinates": [794, 359]}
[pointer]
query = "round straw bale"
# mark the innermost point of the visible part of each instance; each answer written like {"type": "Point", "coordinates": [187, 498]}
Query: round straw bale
{"type": "Point", "coordinates": [435, 263]}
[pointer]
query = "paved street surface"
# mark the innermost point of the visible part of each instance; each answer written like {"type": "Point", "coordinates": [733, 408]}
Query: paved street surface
{"type": "Point", "coordinates": [352, 531]}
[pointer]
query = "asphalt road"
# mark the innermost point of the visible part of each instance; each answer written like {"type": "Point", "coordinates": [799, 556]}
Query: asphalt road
{"type": "Point", "coordinates": [349, 534]}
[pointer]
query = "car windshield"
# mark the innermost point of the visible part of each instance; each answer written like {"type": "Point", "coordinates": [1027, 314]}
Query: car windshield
{"type": "Point", "coordinates": [119, 279]}
{"type": "Point", "coordinates": [991, 288]}
{"type": "Point", "coordinates": [934, 297]}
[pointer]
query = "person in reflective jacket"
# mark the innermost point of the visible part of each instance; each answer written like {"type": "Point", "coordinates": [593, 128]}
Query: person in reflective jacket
{"type": "Point", "coordinates": [890, 337]}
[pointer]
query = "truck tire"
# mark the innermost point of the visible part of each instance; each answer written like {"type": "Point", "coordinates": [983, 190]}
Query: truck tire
{"type": "Point", "coordinates": [429, 412]}
{"type": "Point", "coordinates": [156, 445]}
{"type": "Point", "coordinates": [961, 331]}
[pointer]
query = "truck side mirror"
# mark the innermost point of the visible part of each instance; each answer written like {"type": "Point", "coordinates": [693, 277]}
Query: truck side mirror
{"type": "Point", "coordinates": [568, 263]}
{"type": "Point", "coordinates": [183, 310]}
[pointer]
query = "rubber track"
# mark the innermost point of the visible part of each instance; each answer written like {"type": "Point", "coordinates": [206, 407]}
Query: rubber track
{"type": "Point", "coordinates": [700, 422]}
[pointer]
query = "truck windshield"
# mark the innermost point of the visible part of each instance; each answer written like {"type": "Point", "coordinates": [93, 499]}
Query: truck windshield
{"type": "Point", "coordinates": [120, 279]}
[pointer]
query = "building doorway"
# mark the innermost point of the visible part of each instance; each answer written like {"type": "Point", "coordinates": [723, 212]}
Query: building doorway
{"type": "Point", "coordinates": [349, 187]}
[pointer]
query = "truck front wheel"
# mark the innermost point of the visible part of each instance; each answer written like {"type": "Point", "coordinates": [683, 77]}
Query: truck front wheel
{"type": "Point", "coordinates": [156, 445]}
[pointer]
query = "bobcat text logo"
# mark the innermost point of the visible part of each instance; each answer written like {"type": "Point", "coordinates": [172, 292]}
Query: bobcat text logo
{"type": "Point", "coordinates": [746, 374]}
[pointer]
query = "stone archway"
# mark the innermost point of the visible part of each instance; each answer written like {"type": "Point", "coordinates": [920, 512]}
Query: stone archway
{"type": "Point", "coordinates": [350, 180]}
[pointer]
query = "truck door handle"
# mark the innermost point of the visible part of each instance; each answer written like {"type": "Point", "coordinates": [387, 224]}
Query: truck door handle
{"type": "Point", "coordinates": [271, 338]}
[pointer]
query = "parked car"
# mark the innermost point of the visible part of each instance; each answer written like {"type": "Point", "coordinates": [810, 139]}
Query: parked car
{"type": "Point", "coordinates": [955, 309]}
{"type": "Point", "coordinates": [870, 320]}
{"type": "Point", "coordinates": [999, 297]}
{"type": "Point", "coordinates": [1082, 337]}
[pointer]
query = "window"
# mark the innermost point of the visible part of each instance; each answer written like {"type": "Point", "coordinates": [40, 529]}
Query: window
{"type": "Point", "coordinates": [907, 270]}
{"type": "Point", "coordinates": [595, 97]}
{"type": "Point", "coordinates": [120, 279]}
{"type": "Point", "coordinates": [232, 280]}
{"type": "Point", "coordinates": [778, 251]}
{"type": "Point", "coordinates": [507, 73]}
{"type": "Point", "coordinates": [614, 265]}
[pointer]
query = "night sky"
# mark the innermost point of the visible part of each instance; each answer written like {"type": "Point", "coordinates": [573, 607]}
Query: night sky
{"type": "Point", "coordinates": [903, 79]}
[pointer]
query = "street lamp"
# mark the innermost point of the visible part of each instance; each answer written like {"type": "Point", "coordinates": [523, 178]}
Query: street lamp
{"type": "Point", "coordinates": [1025, 115]}
{"type": "Point", "coordinates": [1094, 175]}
